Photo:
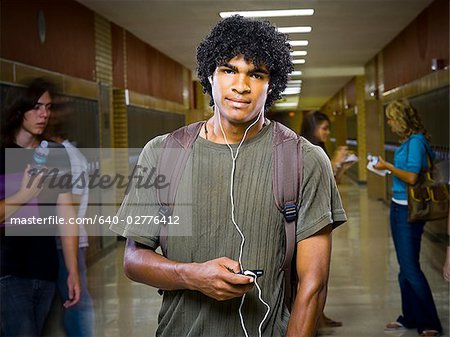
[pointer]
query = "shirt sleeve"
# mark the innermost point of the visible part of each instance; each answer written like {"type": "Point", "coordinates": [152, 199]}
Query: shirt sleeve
{"type": "Point", "coordinates": [58, 161]}
{"type": "Point", "coordinates": [79, 166]}
{"type": "Point", "coordinates": [140, 202]}
{"type": "Point", "coordinates": [415, 153]}
{"type": "Point", "coordinates": [320, 202]}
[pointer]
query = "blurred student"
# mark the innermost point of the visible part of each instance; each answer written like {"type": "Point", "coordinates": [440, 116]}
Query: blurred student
{"type": "Point", "coordinates": [316, 128]}
{"type": "Point", "coordinates": [29, 263]}
{"type": "Point", "coordinates": [418, 308]}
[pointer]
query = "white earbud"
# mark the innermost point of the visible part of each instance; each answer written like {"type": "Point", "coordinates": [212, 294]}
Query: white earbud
{"type": "Point", "coordinates": [210, 79]}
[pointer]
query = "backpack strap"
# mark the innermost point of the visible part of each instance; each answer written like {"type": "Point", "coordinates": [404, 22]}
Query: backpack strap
{"type": "Point", "coordinates": [287, 175]}
{"type": "Point", "coordinates": [172, 164]}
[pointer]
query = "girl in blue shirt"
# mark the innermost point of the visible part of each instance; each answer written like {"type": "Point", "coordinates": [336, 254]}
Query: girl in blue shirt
{"type": "Point", "coordinates": [418, 308]}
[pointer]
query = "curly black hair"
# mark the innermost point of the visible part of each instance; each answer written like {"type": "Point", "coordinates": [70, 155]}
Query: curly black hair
{"type": "Point", "coordinates": [258, 41]}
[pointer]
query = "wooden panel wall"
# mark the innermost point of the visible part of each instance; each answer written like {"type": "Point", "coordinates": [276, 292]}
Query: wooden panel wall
{"type": "Point", "coordinates": [69, 47]}
{"type": "Point", "coordinates": [118, 55]}
{"type": "Point", "coordinates": [152, 73]}
{"type": "Point", "coordinates": [408, 56]}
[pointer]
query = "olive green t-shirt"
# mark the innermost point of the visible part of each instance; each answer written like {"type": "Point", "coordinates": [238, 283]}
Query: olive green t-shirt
{"type": "Point", "coordinates": [213, 235]}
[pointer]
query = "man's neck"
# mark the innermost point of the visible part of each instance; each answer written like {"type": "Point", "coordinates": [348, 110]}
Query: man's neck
{"type": "Point", "coordinates": [26, 139]}
{"type": "Point", "coordinates": [234, 132]}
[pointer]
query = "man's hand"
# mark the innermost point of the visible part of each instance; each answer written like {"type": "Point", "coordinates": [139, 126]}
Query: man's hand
{"type": "Point", "coordinates": [73, 287]}
{"type": "Point", "coordinates": [218, 279]}
{"type": "Point", "coordinates": [215, 278]}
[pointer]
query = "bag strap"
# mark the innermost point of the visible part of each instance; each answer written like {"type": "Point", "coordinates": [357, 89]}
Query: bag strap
{"type": "Point", "coordinates": [430, 162]}
{"type": "Point", "coordinates": [287, 175]}
{"type": "Point", "coordinates": [171, 164]}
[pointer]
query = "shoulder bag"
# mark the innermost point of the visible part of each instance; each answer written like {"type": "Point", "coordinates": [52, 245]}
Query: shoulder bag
{"type": "Point", "coordinates": [428, 198]}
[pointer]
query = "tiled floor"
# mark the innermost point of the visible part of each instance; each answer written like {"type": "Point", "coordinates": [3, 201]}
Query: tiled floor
{"type": "Point", "coordinates": [363, 290]}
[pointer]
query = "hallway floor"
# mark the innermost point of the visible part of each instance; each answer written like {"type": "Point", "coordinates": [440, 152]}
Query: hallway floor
{"type": "Point", "coordinates": [363, 289]}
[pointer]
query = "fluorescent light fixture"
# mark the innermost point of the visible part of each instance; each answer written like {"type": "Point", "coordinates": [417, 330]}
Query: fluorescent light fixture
{"type": "Point", "coordinates": [299, 43]}
{"type": "Point", "coordinates": [285, 104]}
{"type": "Point", "coordinates": [267, 14]}
{"type": "Point", "coordinates": [296, 73]}
{"type": "Point", "coordinates": [294, 82]}
{"type": "Point", "coordinates": [127, 97]}
{"type": "Point", "coordinates": [291, 91]}
{"type": "Point", "coordinates": [299, 61]}
{"type": "Point", "coordinates": [300, 29]}
{"type": "Point", "coordinates": [299, 53]}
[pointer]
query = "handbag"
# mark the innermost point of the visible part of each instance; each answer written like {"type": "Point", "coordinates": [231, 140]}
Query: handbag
{"type": "Point", "coordinates": [428, 198]}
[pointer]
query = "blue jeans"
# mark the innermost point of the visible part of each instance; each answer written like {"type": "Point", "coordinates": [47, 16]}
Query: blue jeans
{"type": "Point", "coordinates": [79, 319]}
{"type": "Point", "coordinates": [25, 304]}
{"type": "Point", "coordinates": [419, 310]}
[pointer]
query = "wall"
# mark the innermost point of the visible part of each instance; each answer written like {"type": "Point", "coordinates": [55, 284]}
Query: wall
{"type": "Point", "coordinates": [69, 46]}
{"type": "Point", "coordinates": [408, 56]}
{"type": "Point", "coordinates": [145, 70]}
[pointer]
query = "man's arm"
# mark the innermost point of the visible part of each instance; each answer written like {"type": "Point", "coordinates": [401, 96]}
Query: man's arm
{"type": "Point", "coordinates": [313, 263]}
{"type": "Point", "coordinates": [69, 241]}
{"type": "Point", "coordinates": [214, 278]}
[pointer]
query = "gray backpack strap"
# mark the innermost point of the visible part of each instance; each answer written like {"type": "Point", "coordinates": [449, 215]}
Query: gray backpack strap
{"type": "Point", "coordinates": [171, 164]}
{"type": "Point", "coordinates": [287, 173]}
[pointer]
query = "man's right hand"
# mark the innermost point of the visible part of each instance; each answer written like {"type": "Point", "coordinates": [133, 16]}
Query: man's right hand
{"type": "Point", "coordinates": [217, 279]}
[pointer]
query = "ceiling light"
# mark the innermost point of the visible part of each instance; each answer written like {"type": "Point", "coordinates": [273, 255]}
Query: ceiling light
{"type": "Point", "coordinates": [299, 61]}
{"type": "Point", "coordinates": [297, 43]}
{"type": "Point", "coordinates": [294, 82]}
{"type": "Point", "coordinates": [267, 14]}
{"type": "Point", "coordinates": [299, 53]}
{"type": "Point", "coordinates": [286, 104]}
{"type": "Point", "coordinates": [294, 91]}
{"type": "Point", "coordinates": [301, 29]}
{"type": "Point", "coordinates": [296, 73]}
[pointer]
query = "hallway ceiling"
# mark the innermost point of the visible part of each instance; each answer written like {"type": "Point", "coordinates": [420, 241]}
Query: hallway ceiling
{"type": "Point", "coordinates": [345, 33]}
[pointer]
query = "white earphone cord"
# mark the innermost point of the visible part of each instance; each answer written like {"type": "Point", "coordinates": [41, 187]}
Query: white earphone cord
{"type": "Point", "coordinates": [234, 157]}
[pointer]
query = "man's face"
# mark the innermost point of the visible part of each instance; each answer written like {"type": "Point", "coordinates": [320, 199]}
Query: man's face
{"type": "Point", "coordinates": [35, 120]}
{"type": "Point", "coordinates": [240, 89]}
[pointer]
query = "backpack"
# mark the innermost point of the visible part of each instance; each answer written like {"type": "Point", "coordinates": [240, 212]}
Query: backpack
{"type": "Point", "coordinates": [287, 170]}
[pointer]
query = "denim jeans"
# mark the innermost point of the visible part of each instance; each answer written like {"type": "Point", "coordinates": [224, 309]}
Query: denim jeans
{"type": "Point", "coordinates": [419, 310]}
{"type": "Point", "coordinates": [25, 304]}
{"type": "Point", "coordinates": [79, 319]}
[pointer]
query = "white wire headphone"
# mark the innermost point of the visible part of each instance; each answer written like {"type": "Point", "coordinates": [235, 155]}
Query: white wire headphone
{"type": "Point", "coordinates": [233, 169]}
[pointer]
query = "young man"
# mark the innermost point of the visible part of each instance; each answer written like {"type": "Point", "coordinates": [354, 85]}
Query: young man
{"type": "Point", "coordinates": [243, 65]}
{"type": "Point", "coordinates": [29, 260]}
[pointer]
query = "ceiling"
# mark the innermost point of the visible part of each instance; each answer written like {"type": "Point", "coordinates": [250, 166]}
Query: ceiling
{"type": "Point", "coordinates": [345, 33]}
